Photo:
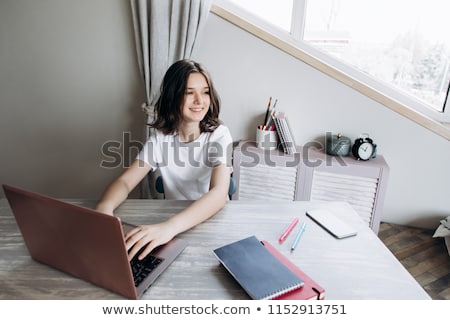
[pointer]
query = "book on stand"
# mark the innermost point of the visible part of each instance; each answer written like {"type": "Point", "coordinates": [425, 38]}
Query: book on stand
{"type": "Point", "coordinates": [284, 132]}
{"type": "Point", "coordinates": [259, 272]}
{"type": "Point", "coordinates": [310, 290]}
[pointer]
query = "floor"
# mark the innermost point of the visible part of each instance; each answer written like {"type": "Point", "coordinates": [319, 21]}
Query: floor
{"type": "Point", "coordinates": [425, 257]}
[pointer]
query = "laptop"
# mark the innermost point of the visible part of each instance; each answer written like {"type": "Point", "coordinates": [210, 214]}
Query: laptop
{"type": "Point", "coordinates": [85, 243]}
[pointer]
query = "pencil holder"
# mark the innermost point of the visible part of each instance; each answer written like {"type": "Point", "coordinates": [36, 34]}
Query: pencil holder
{"type": "Point", "coordinates": [266, 139]}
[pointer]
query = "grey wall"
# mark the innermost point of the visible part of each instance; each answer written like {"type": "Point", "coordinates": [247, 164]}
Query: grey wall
{"type": "Point", "coordinates": [69, 83]}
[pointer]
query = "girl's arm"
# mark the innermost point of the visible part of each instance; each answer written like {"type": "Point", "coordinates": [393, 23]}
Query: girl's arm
{"type": "Point", "coordinates": [199, 211]}
{"type": "Point", "coordinates": [118, 191]}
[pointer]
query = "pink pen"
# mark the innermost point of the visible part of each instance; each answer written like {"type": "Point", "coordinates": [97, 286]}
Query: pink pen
{"type": "Point", "coordinates": [288, 230]}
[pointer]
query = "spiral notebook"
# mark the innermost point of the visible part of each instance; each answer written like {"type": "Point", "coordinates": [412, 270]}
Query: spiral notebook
{"type": "Point", "coordinates": [311, 290]}
{"type": "Point", "coordinates": [258, 271]}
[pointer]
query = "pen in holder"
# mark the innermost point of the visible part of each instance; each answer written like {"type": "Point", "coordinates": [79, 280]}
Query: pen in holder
{"type": "Point", "coordinates": [266, 139]}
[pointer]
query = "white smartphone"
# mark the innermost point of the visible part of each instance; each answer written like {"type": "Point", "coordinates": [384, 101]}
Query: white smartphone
{"type": "Point", "coordinates": [327, 220]}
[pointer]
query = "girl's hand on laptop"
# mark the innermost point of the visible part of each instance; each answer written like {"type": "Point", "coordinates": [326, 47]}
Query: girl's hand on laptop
{"type": "Point", "coordinates": [148, 237]}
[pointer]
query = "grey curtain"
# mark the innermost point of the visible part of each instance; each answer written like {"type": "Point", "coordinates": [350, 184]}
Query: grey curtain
{"type": "Point", "coordinates": [165, 31]}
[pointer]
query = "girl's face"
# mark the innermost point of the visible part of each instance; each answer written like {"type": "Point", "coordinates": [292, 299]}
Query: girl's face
{"type": "Point", "coordinates": [196, 99]}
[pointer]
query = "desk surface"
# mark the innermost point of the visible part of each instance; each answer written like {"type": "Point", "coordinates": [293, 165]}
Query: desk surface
{"type": "Point", "coordinates": [359, 267]}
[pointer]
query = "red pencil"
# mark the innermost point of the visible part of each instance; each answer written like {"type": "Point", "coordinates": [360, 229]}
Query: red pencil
{"type": "Point", "coordinates": [288, 230]}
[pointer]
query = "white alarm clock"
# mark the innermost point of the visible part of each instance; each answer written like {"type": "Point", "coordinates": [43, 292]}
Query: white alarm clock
{"type": "Point", "coordinates": [364, 148]}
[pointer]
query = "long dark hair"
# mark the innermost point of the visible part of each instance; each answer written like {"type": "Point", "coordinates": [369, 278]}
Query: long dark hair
{"type": "Point", "coordinates": [173, 87]}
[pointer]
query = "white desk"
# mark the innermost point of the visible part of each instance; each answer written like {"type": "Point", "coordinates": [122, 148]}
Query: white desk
{"type": "Point", "coordinates": [360, 267]}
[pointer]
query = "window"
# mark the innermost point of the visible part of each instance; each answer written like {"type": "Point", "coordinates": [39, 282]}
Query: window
{"type": "Point", "coordinates": [402, 45]}
{"type": "Point", "coordinates": [277, 12]}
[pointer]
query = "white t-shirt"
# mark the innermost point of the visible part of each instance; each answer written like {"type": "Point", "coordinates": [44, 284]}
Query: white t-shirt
{"type": "Point", "coordinates": [186, 167]}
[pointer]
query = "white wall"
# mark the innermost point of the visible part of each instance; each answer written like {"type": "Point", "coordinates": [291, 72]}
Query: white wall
{"type": "Point", "coordinates": [69, 83]}
{"type": "Point", "coordinates": [247, 71]}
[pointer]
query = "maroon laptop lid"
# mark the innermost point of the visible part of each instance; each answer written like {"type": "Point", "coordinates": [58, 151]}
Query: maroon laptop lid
{"type": "Point", "coordinates": [80, 241]}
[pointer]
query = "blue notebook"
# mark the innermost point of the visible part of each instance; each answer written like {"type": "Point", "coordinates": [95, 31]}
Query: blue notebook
{"type": "Point", "coordinates": [258, 272]}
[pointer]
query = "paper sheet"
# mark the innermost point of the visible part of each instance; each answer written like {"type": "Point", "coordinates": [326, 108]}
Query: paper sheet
{"type": "Point", "coordinates": [444, 231]}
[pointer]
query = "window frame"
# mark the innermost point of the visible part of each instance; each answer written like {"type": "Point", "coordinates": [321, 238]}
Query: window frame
{"type": "Point", "coordinates": [364, 83]}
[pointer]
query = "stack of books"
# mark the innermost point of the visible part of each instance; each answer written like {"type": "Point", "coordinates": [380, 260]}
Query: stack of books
{"type": "Point", "coordinates": [310, 290]}
{"type": "Point", "coordinates": [282, 127]}
{"type": "Point", "coordinates": [284, 132]}
{"type": "Point", "coordinates": [264, 273]}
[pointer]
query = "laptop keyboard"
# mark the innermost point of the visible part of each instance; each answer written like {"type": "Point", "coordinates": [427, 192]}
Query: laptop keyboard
{"type": "Point", "coordinates": [142, 268]}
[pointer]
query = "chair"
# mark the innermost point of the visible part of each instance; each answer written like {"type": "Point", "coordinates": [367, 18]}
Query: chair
{"type": "Point", "coordinates": [159, 186]}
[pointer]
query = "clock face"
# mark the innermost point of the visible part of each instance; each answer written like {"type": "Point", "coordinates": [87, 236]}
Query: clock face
{"type": "Point", "coordinates": [365, 151]}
